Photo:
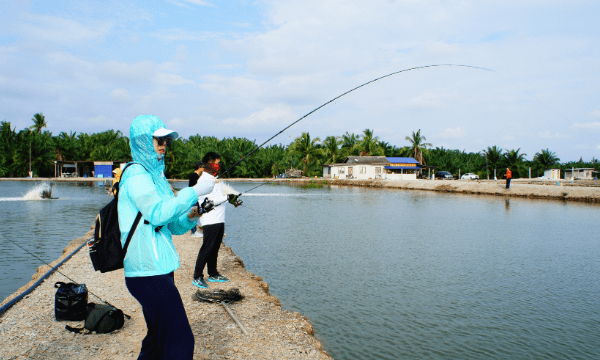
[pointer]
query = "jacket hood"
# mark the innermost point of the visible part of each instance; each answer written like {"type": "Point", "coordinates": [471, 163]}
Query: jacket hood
{"type": "Point", "coordinates": [142, 146]}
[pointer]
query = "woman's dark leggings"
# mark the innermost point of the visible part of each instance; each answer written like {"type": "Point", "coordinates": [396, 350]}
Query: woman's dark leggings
{"type": "Point", "coordinates": [209, 252]}
{"type": "Point", "coordinates": [169, 333]}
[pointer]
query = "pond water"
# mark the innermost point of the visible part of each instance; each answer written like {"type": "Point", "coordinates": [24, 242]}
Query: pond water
{"type": "Point", "coordinates": [384, 274]}
{"type": "Point", "coordinates": [43, 227]}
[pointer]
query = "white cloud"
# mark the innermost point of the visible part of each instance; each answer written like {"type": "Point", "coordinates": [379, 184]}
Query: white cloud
{"type": "Point", "coordinates": [275, 114]}
{"type": "Point", "coordinates": [586, 126]}
{"type": "Point", "coordinates": [54, 29]}
{"type": "Point", "coordinates": [549, 135]}
{"type": "Point", "coordinates": [596, 113]}
{"type": "Point", "coordinates": [182, 34]}
{"type": "Point", "coordinates": [120, 94]}
{"type": "Point", "coordinates": [456, 132]}
{"type": "Point", "coordinates": [426, 100]}
{"type": "Point", "coordinates": [199, 2]}
{"type": "Point", "coordinates": [174, 122]}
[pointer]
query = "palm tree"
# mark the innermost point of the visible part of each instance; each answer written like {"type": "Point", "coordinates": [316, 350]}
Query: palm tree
{"type": "Point", "coordinates": [332, 149]}
{"type": "Point", "coordinates": [514, 161]}
{"type": "Point", "coordinates": [418, 145]}
{"type": "Point", "coordinates": [546, 158]}
{"type": "Point", "coordinates": [369, 144]}
{"type": "Point", "coordinates": [39, 122]}
{"type": "Point", "coordinates": [350, 143]}
{"type": "Point", "coordinates": [494, 157]}
{"type": "Point", "coordinates": [307, 148]}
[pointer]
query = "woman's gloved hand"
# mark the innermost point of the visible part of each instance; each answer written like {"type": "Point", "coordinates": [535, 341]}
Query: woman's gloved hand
{"type": "Point", "coordinates": [205, 186]}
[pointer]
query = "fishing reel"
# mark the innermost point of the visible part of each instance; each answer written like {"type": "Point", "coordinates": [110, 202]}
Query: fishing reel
{"type": "Point", "coordinates": [205, 207]}
{"type": "Point", "coordinates": [234, 199]}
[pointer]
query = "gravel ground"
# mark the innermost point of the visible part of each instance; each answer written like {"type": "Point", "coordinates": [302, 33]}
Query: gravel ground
{"type": "Point", "coordinates": [28, 330]}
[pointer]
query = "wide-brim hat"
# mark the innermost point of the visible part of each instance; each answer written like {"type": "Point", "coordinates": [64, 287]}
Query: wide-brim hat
{"type": "Point", "coordinates": [163, 132]}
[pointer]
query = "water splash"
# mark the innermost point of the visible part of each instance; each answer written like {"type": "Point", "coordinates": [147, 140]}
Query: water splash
{"type": "Point", "coordinates": [40, 192]}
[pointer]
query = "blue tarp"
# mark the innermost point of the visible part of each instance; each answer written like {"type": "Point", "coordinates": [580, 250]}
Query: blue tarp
{"type": "Point", "coordinates": [105, 170]}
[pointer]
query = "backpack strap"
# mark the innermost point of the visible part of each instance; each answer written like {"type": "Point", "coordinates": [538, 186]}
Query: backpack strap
{"type": "Point", "coordinates": [137, 218]}
{"type": "Point", "coordinates": [130, 235]}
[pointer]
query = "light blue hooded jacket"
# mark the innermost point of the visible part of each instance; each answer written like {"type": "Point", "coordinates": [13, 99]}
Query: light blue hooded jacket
{"type": "Point", "coordinates": [147, 190]}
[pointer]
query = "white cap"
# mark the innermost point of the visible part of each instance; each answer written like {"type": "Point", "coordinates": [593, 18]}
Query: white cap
{"type": "Point", "coordinates": [162, 132]}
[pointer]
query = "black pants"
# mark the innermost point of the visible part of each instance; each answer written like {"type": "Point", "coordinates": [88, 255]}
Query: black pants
{"type": "Point", "coordinates": [169, 333]}
{"type": "Point", "coordinates": [207, 256]}
{"type": "Point", "coordinates": [508, 183]}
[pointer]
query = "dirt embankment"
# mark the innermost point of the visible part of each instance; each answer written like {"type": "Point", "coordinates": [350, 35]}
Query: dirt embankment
{"type": "Point", "coordinates": [28, 329]}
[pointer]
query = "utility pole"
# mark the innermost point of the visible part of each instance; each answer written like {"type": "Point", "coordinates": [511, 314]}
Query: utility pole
{"type": "Point", "coordinates": [487, 171]}
{"type": "Point", "coordinates": [30, 173]}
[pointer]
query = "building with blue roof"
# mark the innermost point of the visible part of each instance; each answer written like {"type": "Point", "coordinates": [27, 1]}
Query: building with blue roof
{"type": "Point", "coordinates": [373, 167]}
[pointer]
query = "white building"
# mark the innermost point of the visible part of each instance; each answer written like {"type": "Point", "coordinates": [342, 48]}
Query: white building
{"type": "Point", "coordinates": [552, 174]}
{"type": "Point", "coordinates": [581, 173]}
{"type": "Point", "coordinates": [373, 167]}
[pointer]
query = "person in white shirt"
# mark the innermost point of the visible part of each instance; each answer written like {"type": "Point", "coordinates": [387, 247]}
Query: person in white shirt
{"type": "Point", "coordinates": [213, 226]}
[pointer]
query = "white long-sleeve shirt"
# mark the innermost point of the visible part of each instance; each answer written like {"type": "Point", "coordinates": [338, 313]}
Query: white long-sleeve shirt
{"type": "Point", "coordinates": [217, 215]}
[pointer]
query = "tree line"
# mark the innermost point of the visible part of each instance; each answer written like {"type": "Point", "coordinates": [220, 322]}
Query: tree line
{"type": "Point", "coordinates": [39, 148]}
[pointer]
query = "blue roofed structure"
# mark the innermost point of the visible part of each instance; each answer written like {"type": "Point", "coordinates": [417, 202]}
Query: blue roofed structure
{"type": "Point", "coordinates": [401, 160]}
{"type": "Point", "coordinates": [373, 167]}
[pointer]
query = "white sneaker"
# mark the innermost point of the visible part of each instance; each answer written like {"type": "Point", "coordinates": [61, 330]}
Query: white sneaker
{"type": "Point", "coordinates": [197, 234]}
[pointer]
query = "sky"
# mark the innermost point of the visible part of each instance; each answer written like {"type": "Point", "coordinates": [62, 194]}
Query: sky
{"type": "Point", "coordinates": [250, 68]}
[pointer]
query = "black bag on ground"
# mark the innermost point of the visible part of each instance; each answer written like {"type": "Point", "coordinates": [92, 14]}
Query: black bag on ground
{"type": "Point", "coordinates": [100, 318]}
{"type": "Point", "coordinates": [106, 251]}
{"type": "Point", "coordinates": [70, 301]}
{"type": "Point", "coordinates": [103, 318]}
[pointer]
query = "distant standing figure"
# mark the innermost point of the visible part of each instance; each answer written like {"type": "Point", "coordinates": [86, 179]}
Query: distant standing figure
{"type": "Point", "coordinates": [213, 226]}
{"type": "Point", "coordinates": [508, 177]}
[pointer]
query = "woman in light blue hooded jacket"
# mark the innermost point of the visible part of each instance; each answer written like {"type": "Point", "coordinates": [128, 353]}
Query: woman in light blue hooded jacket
{"type": "Point", "coordinates": [151, 258]}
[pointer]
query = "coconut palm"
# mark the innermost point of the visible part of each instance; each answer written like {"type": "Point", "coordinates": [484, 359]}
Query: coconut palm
{"type": "Point", "coordinates": [369, 144]}
{"type": "Point", "coordinates": [494, 157]}
{"type": "Point", "coordinates": [546, 158]}
{"type": "Point", "coordinates": [39, 122]}
{"type": "Point", "coordinates": [514, 161]}
{"type": "Point", "coordinates": [332, 149]}
{"type": "Point", "coordinates": [350, 144]}
{"type": "Point", "coordinates": [418, 145]}
{"type": "Point", "coordinates": [307, 149]}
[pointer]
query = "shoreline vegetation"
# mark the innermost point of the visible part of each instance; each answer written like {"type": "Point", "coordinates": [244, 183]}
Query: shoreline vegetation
{"type": "Point", "coordinates": [37, 150]}
{"type": "Point", "coordinates": [580, 190]}
{"type": "Point", "coordinates": [29, 330]}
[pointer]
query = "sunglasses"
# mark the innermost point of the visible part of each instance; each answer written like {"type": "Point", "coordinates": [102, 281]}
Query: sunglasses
{"type": "Point", "coordinates": [162, 140]}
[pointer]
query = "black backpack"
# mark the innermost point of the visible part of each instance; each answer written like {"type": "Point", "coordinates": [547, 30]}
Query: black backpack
{"type": "Point", "coordinates": [100, 318]}
{"type": "Point", "coordinates": [106, 251]}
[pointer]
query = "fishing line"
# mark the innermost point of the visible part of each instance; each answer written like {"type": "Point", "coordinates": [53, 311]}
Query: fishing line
{"type": "Point", "coordinates": [347, 92]}
{"type": "Point", "coordinates": [37, 257]}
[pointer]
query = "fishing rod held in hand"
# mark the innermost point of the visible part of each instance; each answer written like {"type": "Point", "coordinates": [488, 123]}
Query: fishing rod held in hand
{"type": "Point", "coordinates": [233, 199]}
{"type": "Point", "coordinates": [348, 92]}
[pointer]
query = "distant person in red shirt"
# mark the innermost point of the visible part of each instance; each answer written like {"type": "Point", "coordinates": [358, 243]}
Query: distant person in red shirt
{"type": "Point", "coordinates": [508, 177]}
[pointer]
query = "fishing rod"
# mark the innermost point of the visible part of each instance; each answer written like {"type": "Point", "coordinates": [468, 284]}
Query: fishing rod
{"type": "Point", "coordinates": [208, 205]}
{"type": "Point", "coordinates": [348, 92]}
{"type": "Point", "coordinates": [40, 259]}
